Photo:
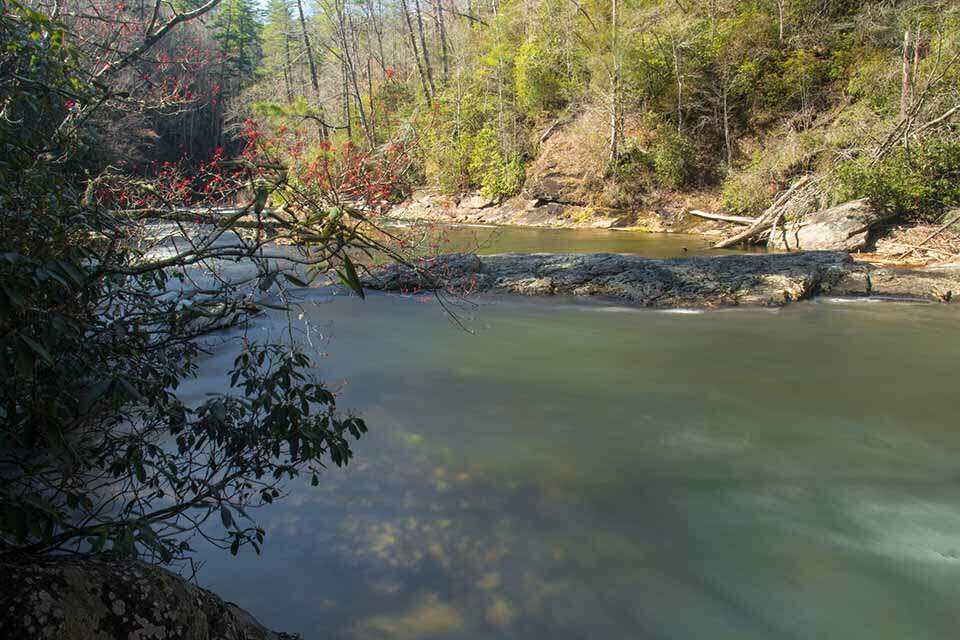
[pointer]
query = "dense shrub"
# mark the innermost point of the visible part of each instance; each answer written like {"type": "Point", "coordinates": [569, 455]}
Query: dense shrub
{"type": "Point", "coordinates": [916, 183]}
{"type": "Point", "coordinates": [549, 69]}
{"type": "Point", "coordinates": [630, 176]}
{"type": "Point", "coordinates": [746, 193]}
{"type": "Point", "coordinates": [497, 177]}
{"type": "Point", "coordinates": [673, 159]}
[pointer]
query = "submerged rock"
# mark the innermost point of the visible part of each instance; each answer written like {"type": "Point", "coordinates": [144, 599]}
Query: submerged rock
{"type": "Point", "coordinates": [845, 227]}
{"type": "Point", "coordinates": [750, 279]}
{"type": "Point", "coordinates": [105, 599]}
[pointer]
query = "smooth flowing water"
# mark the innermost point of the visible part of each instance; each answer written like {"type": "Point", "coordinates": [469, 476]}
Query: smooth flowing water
{"type": "Point", "coordinates": [487, 239]}
{"type": "Point", "coordinates": [582, 470]}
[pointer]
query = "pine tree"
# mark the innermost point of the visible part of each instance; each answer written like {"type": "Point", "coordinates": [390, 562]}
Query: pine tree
{"type": "Point", "coordinates": [237, 32]}
{"type": "Point", "coordinates": [277, 34]}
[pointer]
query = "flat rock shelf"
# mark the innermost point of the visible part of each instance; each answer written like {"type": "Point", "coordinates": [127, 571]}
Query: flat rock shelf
{"type": "Point", "coordinates": [734, 280]}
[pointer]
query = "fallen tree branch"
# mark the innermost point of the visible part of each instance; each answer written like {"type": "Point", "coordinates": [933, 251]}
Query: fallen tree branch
{"type": "Point", "coordinates": [770, 218]}
{"type": "Point", "coordinates": [721, 217]}
{"type": "Point", "coordinates": [953, 217]}
{"type": "Point", "coordinates": [917, 247]}
{"type": "Point", "coordinates": [936, 121]}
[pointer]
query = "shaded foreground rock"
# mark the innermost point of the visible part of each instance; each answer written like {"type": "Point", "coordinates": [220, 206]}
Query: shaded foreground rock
{"type": "Point", "coordinates": [845, 227]}
{"type": "Point", "coordinates": [752, 279]}
{"type": "Point", "coordinates": [102, 599]}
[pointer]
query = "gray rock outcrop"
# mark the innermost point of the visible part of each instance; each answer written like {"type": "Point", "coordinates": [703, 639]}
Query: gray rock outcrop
{"type": "Point", "coordinates": [104, 599]}
{"type": "Point", "coordinates": [429, 206]}
{"type": "Point", "coordinates": [845, 227]}
{"type": "Point", "coordinates": [748, 279]}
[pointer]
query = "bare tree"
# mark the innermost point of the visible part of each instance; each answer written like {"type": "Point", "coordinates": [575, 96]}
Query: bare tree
{"type": "Point", "coordinates": [424, 83]}
{"type": "Point", "coordinates": [423, 45]}
{"type": "Point", "coordinates": [314, 80]}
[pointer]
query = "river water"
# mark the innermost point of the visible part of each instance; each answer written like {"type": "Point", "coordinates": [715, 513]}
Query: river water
{"type": "Point", "coordinates": [579, 470]}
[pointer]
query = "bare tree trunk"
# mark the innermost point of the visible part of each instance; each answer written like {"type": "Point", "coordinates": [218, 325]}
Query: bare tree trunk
{"type": "Point", "coordinates": [423, 45]}
{"type": "Point", "coordinates": [416, 53]}
{"type": "Point", "coordinates": [350, 56]}
{"type": "Point", "coordinates": [780, 16]}
{"type": "Point", "coordinates": [377, 25]}
{"type": "Point", "coordinates": [313, 68]}
{"type": "Point", "coordinates": [726, 122]}
{"type": "Point", "coordinates": [614, 84]}
{"type": "Point", "coordinates": [916, 62]}
{"type": "Point", "coordinates": [679, 74]}
{"type": "Point", "coordinates": [443, 41]}
{"type": "Point", "coordinates": [287, 68]}
{"type": "Point", "coordinates": [373, 110]}
{"type": "Point", "coordinates": [770, 218]}
{"type": "Point", "coordinates": [905, 78]}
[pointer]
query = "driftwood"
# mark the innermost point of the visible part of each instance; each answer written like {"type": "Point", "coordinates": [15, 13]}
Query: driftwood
{"type": "Point", "coordinates": [721, 217]}
{"type": "Point", "coordinates": [952, 216]}
{"type": "Point", "coordinates": [917, 247]}
{"type": "Point", "coordinates": [559, 122]}
{"type": "Point", "coordinates": [770, 219]}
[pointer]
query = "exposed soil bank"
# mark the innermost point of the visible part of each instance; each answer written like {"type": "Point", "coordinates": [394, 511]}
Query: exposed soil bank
{"type": "Point", "coordinates": [426, 205]}
{"type": "Point", "coordinates": [736, 280]}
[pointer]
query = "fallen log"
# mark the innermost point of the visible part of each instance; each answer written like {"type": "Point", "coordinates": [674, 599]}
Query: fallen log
{"type": "Point", "coordinates": [721, 217]}
{"type": "Point", "coordinates": [770, 218]}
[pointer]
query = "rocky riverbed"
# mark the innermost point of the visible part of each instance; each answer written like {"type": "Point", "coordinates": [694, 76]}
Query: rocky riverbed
{"type": "Point", "coordinates": [735, 280]}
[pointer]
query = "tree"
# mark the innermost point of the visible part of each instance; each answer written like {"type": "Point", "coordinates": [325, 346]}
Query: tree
{"type": "Point", "coordinates": [237, 32]}
{"type": "Point", "coordinates": [98, 326]}
{"type": "Point", "coordinates": [277, 33]}
{"type": "Point", "coordinates": [549, 70]}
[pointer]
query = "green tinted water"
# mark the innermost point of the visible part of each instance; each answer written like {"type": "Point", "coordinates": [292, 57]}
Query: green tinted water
{"type": "Point", "coordinates": [590, 471]}
{"type": "Point", "coordinates": [487, 240]}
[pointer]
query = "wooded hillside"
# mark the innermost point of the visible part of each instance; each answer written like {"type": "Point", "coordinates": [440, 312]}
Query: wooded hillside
{"type": "Point", "coordinates": [736, 98]}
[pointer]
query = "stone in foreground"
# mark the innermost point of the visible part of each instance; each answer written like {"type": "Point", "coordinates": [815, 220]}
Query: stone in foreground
{"type": "Point", "coordinates": [102, 599]}
{"type": "Point", "coordinates": [734, 280]}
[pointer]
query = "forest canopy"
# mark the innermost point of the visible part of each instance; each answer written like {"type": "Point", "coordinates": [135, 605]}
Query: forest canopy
{"type": "Point", "coordinates": [227, 128]}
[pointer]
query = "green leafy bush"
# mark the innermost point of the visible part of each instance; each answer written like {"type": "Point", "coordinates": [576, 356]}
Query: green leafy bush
{"type": "Point", "coordinates": [631, 175]}
{"type": "Point", "coordinates": [548, 69]}
{"type": "Point", "coordinates": [746, 193]}
{"type": "Point", "coordinates": [673, 159]}
{"type": "Point", "coordinates": [497, 177]}
{"type": "Point", "coordinates": [543, 78]}
{"type": "Point", "coordinates": [916, 183]}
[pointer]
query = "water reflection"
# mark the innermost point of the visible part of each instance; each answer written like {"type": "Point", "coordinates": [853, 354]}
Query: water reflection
{"type": "Point", "coordinates": [489, 240]}
{"type": "Point", "coordinates": [566, 473]}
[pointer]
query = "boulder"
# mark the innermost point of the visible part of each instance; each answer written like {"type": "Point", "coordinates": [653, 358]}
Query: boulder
{"type": "Point", "coordinates": [845, 227]}
{"type": "Point", "coordinates": [475, 201]}
{"type": "Point", "coordinates": [110, 599]}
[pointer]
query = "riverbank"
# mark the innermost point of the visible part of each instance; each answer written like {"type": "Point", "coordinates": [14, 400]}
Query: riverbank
{"type": "Point", "coordinates": [774, 279]}
{"type": "Point", "coordinates": [427, 205]}
{"type": "Point", "coordinates": [867, 235]}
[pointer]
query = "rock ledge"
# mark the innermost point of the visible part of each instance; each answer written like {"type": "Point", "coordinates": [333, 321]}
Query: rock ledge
{"type": "Point", "coordinates": [772, 279]}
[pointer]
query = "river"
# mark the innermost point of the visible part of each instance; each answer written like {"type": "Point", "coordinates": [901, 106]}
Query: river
{"type": "Point", "coordinates": [570, 469]}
